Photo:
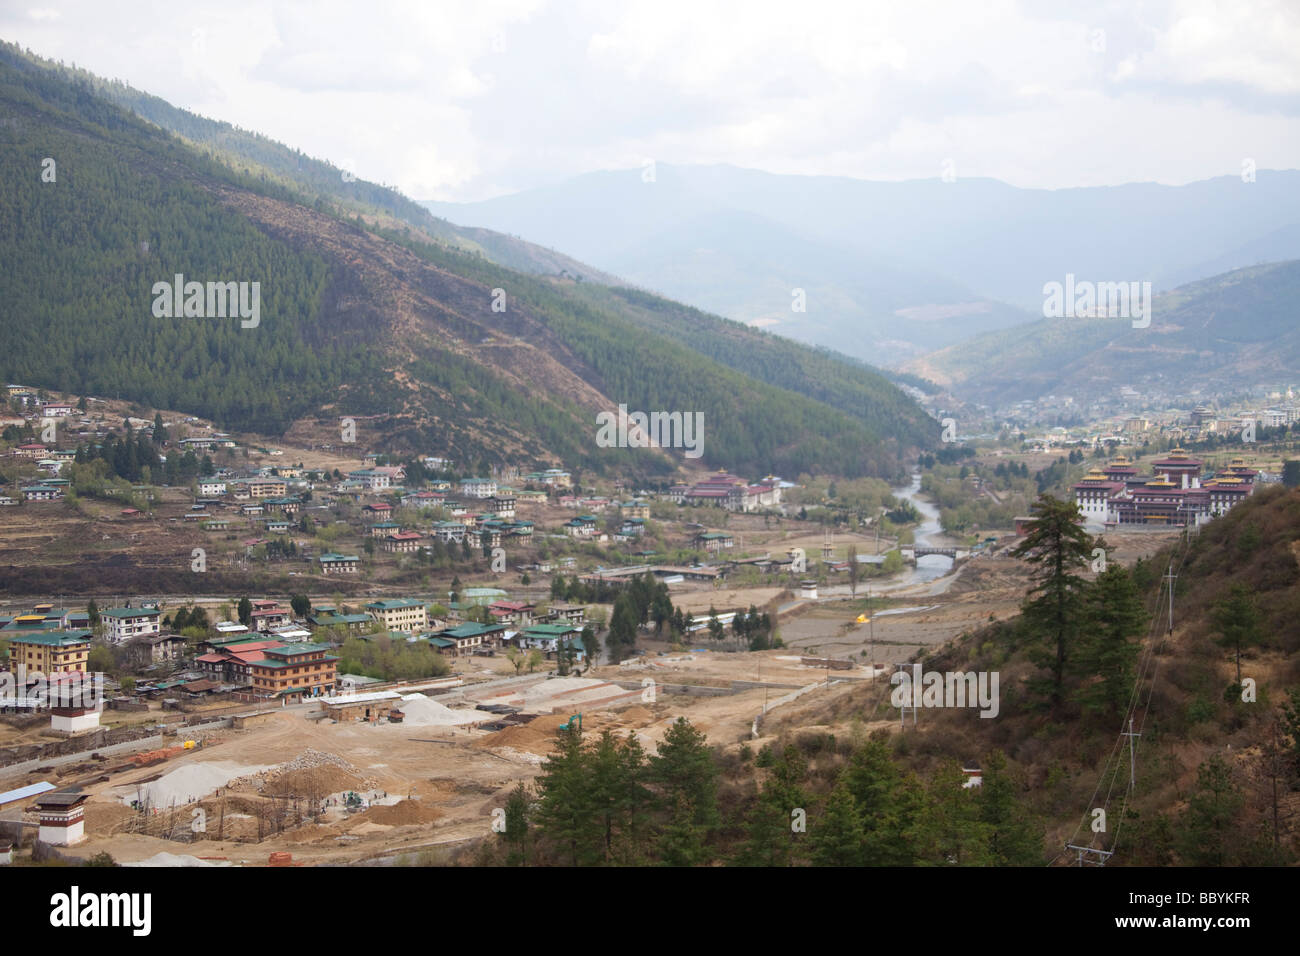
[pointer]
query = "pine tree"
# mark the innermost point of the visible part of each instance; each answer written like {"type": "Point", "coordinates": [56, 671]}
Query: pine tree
{"type": "Point", "coordinates": [953, 833]}
{"type": "Point", "coordinates": [1236, 618]}
{"type": "Point", "coordinates": [685, 775]}
{"type": "Point", "coordinates": [1058, 545]}
{"type": "Point", "coordinates": [1210, 828]}
{"type": "Point", "coordinates": [1013, 839]}
{"type": "Point", "coordinates": [1114, 615]}
{"type": "Point", "coordinates": [772, 839]}
{"type": "Point", "coordinates": [682, 841]}
{"type": "Point", "coordinates": [890, 804]}
{"type": "Point", "coordinates": [835, 836]}
{"type": "Point", "coordinates": [515, 835]}
{"type": "Point", "coordinates": [566, 810]}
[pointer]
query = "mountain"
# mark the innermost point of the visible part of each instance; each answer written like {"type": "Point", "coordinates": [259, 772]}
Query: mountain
{"type": "Point", "coordinates": [313, 179]}
{"type": "Point", "coordinates": [363, 314]}
{"type": "Point", "coordinates": [892, 269]}
{"type": "Point", "coordinates": [1220, 333]}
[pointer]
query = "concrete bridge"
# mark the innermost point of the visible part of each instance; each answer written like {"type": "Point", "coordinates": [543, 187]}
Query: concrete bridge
{"type": "Point", "coordinates": [910, 553]}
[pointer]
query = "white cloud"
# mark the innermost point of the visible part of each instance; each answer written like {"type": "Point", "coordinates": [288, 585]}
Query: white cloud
{"type": "Point", "coordinates": [462, 100]}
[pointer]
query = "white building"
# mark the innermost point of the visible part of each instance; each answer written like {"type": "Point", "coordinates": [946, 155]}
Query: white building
{"type": "Point", "coordinates": [478, 487]}
{"type": "Point", "coordinates": [123, 623]}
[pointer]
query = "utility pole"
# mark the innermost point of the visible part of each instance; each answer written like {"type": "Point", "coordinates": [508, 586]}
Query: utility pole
{"type": "Point", "coordinates": [1171, 577]}
{"type": "Point", "coordinates": [871, 635]}
{"type": "Point", "coordinates": [1103, 855]}
{"type": "Point", "coordinates": [909, 703]}
{"type": "Point", "coordinates": [1132, 758]}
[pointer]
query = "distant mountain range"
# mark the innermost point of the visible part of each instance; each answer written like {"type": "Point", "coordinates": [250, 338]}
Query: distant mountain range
{"type": "Point", "coordinates": [458, 341]}
{"type": "Point", "coordinates": [1231, 331]}
{"type": "Point", "coordinates": [891, 270]}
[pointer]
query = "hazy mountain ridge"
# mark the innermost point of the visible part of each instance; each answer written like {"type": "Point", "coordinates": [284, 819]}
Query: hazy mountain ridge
{"type": "Point", "coordinates": [1230, 330]}
{"type": "Point", "coordinates": [892, 269]}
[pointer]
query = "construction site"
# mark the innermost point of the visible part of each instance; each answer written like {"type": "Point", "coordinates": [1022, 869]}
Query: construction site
{"type": "Point", "coordinates": [420, 775]}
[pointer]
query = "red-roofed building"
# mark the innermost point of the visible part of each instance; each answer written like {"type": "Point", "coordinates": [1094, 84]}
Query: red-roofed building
{"type": "Point", "coordinates": [265, 617]}
{"type": "Point", "coordinates": [232, 664]}
{"type": "Point", "coordinates": [512, 612]}
{"type": "Point", "coordinates": [403, 541]}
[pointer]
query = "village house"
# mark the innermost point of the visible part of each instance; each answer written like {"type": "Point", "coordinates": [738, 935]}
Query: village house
{"type": "Point", "coordinates": [384, 528]}
{"type": "Point", "coordinates": [548, 638]}
{"type": "Point", "coordinates": [339, 563]}
{"type": "Point", "coordinates": [211, 489]}
{"type": "Point", "coordinates": [400, 614]}
{"type": "Point", "coordinates": [123, 623]}
{"type": "Point", "coordinates": [295, 671]}
{"type": "Point", "coordinates": [478, 487]}
{"type": "Point", "coordinates": [583, 526]}
{"type": "Point", "coordinates": [465, 638]}
{"type": "Point", "coordinates": [565, 613]}
{"type": "Point", "coordinates": [42, 492]}
{"type": "Point", "coordinates": [50, 652]}
{"type": "Point", "coordinates": [263, 487]}
{"type": "Point", "coordinates": [342, 622]}
{"type": "Point", "coordinates": [403, 541]}
{"type": "Point", "coordinates": [449, 531]}
{"type": "Point", "coordinates": [501, 505]}
{"type": "Point", "coordinates": [516, 613]}
{"type": "Point", "coordinates": [268, 614]}
{"type": "Point", "coordinates": [423, 499]}
{"type": "Point", "coordinates": [29, 450]}
{"type": "Point", "coordinates": [712, 541]}
{"type": "Point", "coordinates": [634, 509]}
{"type": "Point", "coordinates": [155, 649]}
{"type": "Point", "coordinates": [373, 478]}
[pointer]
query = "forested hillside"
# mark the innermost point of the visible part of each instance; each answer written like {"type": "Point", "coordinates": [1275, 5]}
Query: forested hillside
{"type": "Point", "coordinates": [383, 322]}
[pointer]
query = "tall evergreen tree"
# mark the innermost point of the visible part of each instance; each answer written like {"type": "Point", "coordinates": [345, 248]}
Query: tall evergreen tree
{"type": "Point", "coordinates": [1013, 838]}
{"type": "Point", "coordinates": [1237, 621]}
{"type": "Point", "coordinates": [1058, 545]}
{"type": "Point", "coordinates": [1104, 658]}
{"type": "Point", "coordinates": [835, 835]}
{"type": "Point", "coordinates": [1210, 829]}
{"type": "Point", "coordinates": [686, 777]}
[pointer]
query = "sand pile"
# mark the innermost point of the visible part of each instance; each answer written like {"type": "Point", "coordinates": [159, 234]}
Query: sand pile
{"type": "Point", "coordinates": [314, 773]}
{"type": "Point", "coordinates": [400, 814]}
{"type": "Point", "coordinates": [188, 783]}
{"type": "Point", "coordinates": [536, 736]}
{"type": "Point", "coordinates": [561, 687]}
{"type": "Point", "coordinates": [635, 715]}
{"type": "Point", "coordinates": [176, 859]}
{"type": "Point", "coordinates": [317, 782]}
{"type": "Point", "coordinates": [420, 711]}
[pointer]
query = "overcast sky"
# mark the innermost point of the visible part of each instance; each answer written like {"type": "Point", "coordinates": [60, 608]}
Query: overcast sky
{"type": "Point", "coordinates": [467, 100]}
